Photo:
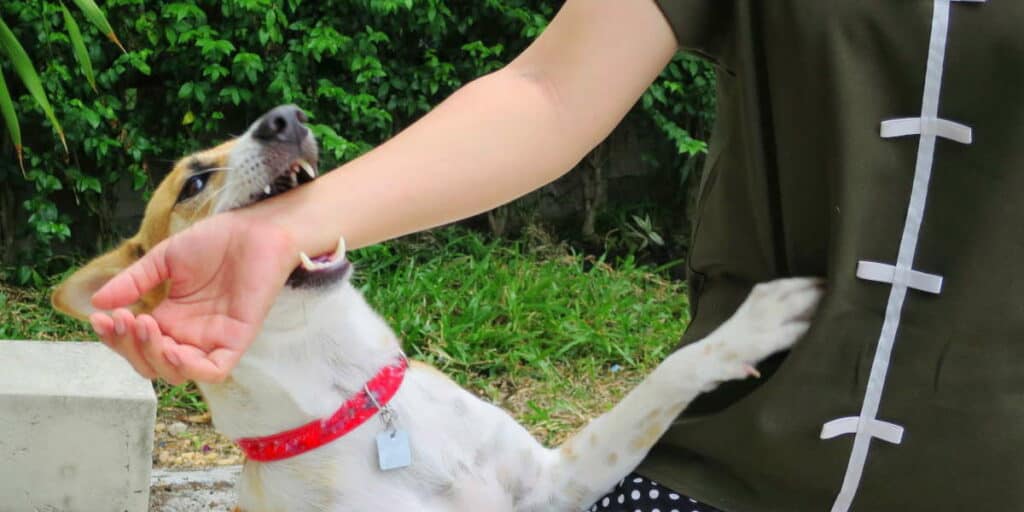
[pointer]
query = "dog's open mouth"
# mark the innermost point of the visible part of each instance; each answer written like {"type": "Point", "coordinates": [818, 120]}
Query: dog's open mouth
{"type": "Point", "coordinates": [317, 270]}
{"type": "Point", "coordinates": [298, 173]}
{"type": "Point", "coordinates": [321, 270]}
{"type": "Point", "coordinates": [325, 262]}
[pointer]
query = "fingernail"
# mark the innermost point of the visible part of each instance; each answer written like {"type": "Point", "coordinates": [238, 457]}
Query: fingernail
{"type": "Point", "coordinates": [142, 333]}
{"type": "Point", "coordinates": [173, 359]}
{"type": "Point", "coordinates": [751, 371]}
{"type": "Point", "coordinates": [118, 326]}
{"type": "Point", "coordinates": [96, 328]}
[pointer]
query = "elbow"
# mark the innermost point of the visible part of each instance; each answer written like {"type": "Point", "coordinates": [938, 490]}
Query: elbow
{"type": "Point", "coordinates": [534, 83]}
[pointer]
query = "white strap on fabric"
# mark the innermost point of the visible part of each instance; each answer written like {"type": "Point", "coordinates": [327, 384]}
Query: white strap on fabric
{"type": "Point", "coordinates": [866, 427]}
{"type": "Point", "coordinates": [882, 273]}
{"type": "Point", "coordinates": [927, 126]}
{"type": "Point", "coordinates": [883, 430]}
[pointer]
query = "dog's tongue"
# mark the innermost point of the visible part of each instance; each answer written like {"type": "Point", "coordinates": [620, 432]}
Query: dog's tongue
{"type": "Point", "coordinates": [324, 261]}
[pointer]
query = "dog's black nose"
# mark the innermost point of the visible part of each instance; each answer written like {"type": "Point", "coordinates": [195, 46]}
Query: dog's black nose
{"type": "Point", "coordinates": [282, 124]}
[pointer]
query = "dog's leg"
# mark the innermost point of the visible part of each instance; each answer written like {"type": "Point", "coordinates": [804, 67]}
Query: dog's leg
{"type": "Point", "coordinates": [586, 466]}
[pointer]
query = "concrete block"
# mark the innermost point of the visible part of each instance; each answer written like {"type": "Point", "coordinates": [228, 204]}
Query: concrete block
{"type": "Point", "coordinates": [76, 429]}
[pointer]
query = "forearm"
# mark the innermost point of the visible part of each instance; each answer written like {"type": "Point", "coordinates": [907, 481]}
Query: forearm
{"type": "Point", "coordinates": [495, 139]}
{"type": "Point", "coordinates": [468, 155]}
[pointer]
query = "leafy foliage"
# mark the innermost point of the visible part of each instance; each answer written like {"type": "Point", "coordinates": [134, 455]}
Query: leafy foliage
{"type": "Point", "coordinates": [19, 60]}
{"type": "Point", "coordinates": [196, 71]}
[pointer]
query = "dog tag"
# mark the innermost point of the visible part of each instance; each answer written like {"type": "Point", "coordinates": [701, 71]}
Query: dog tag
{"type": "Point", "coordinates": [393, 450]}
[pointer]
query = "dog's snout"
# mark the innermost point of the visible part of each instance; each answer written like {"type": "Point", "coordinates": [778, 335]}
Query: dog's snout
{"type": "Point", "coordinates": [282, 124]}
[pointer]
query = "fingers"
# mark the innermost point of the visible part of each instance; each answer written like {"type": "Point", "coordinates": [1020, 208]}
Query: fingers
{"type": "Point", "coordinates": [130, 284]}
{"type": "Point", "coordinates": [153, 354]}
{"type": "Point", "coordinates": [140, 341]}
{"type": "Point", "coordinates": [158, 350]}
{"type": "Point", "coordinates": [213, 349]}
{"type": "Point", "coordinates": [178, 362]}
{"type": "Point", "coordinates": [118, 333]}
{"type": "Point", "coordinates": [212, 367]}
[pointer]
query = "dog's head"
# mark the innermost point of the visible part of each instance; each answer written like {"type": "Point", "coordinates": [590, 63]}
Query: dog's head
{"type": "Point", "coordinates": [276, 154]}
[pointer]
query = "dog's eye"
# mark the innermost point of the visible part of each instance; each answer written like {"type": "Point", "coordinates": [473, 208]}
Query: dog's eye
{"type": "Point", "coordinates": [193, 186]}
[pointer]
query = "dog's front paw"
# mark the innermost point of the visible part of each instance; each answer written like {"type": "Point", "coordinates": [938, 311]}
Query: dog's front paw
{"type": "Point", "coordinates": [773, 317]}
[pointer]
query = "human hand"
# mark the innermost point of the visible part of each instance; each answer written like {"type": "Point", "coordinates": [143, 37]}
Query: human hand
{"type": "Point", "coordinates": [223, 274]}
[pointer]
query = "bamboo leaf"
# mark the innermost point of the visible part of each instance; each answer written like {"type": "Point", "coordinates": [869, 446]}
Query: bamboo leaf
{"type": "Point", "coordinates": [78, 44]}
{"type": "Point", "coordinates": [23, 67]}
{"type": "Point", "coordinates": [95, 16]}
{"type": "Point", "coordinates": [11, 120]}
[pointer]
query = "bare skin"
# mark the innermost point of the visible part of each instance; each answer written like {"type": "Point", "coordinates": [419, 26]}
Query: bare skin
{"type": "Point", "coordinates": [496, 139]}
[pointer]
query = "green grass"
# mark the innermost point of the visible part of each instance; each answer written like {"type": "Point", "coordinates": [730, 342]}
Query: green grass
{"type": "Point", "coordinates": [485, 307]}
{"type": "Point", "coordinates": [553, 336]}
{"type": "Point", "coordinates": [25, 314]}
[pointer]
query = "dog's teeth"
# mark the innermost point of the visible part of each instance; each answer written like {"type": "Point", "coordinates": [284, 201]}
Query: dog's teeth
{"type": "Point", "coordinates": [339, 253]}
{"type": "Point", "coordinates": [266, 190]}
{"type": "Point", "coordinates": [295, 179]}
{"type": "Point", "coordinates": [306, 166]}
{"type": "Point", "coordinates": [306, 262]}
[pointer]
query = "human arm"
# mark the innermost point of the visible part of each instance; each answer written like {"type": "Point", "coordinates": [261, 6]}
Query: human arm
{"type": "Point", "coordinates": [496, 139]}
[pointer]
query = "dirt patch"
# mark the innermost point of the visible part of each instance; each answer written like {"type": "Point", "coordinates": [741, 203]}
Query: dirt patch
{"type": "Point", "coordinates": [188, 440]}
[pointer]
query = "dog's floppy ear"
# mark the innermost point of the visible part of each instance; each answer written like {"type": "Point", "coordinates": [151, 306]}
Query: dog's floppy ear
{"type": "Point", "coordinates": [73, 296]}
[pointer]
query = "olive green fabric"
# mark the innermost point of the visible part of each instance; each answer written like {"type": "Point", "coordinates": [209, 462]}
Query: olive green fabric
{"type": "Point", "coordinates": [799, 182]}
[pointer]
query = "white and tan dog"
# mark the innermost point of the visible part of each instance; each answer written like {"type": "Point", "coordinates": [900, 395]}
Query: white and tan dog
{"type": "Point", "coordinates": [321, 345]}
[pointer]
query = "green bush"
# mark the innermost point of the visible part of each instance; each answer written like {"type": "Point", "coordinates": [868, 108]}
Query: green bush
{"type": "Point", "coordinates": [196, 71]}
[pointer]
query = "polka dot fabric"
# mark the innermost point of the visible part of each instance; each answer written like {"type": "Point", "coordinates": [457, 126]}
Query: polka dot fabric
{"type": "Point", "coordinates": [638, 494]}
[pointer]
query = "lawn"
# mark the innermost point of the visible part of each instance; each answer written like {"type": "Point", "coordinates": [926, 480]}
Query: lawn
{"type": "Point", "coordinates": [553, 336]}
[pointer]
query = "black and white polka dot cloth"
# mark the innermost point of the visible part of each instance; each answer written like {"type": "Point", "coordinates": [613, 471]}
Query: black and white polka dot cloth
{"type": "Point", "coordinates": [638, 494]}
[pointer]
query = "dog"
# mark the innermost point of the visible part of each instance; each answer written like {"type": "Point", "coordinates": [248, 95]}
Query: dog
{"type": "Point", "coordinates": [334, 418]}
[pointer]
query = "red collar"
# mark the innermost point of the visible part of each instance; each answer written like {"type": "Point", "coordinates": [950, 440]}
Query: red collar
{"type": "Point", "coordinates": [317, 433]}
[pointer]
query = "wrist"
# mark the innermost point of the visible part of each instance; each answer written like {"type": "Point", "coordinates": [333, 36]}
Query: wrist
{"type": "Point", "coordinates": [296, 218]}
{"type": "Point", "coordinates": [268, 239]}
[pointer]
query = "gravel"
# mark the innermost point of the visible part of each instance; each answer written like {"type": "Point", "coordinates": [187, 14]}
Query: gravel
{"type": "Point", "coordinates": [203, 490]}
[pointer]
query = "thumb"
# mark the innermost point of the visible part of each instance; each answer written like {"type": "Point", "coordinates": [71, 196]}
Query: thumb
{"type": "Point", "coordinates": [131, 283]}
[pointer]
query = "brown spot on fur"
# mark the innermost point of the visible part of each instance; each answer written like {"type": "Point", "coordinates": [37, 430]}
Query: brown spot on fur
{"type": "Point", "coordinates": [670, 413]}
{"type": "Point", "coordinates": [569, 452]}
{"type": "Point", "coordinates": [651, 415]}
{"type": "Point", "coordinates": [613, 458]}
{"type": "Point", "coordinates": [424, 367]}
{"type": "Point", "coordinates": [649, 436]}
{"type": "Point", "coordinates": [593, 439]}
